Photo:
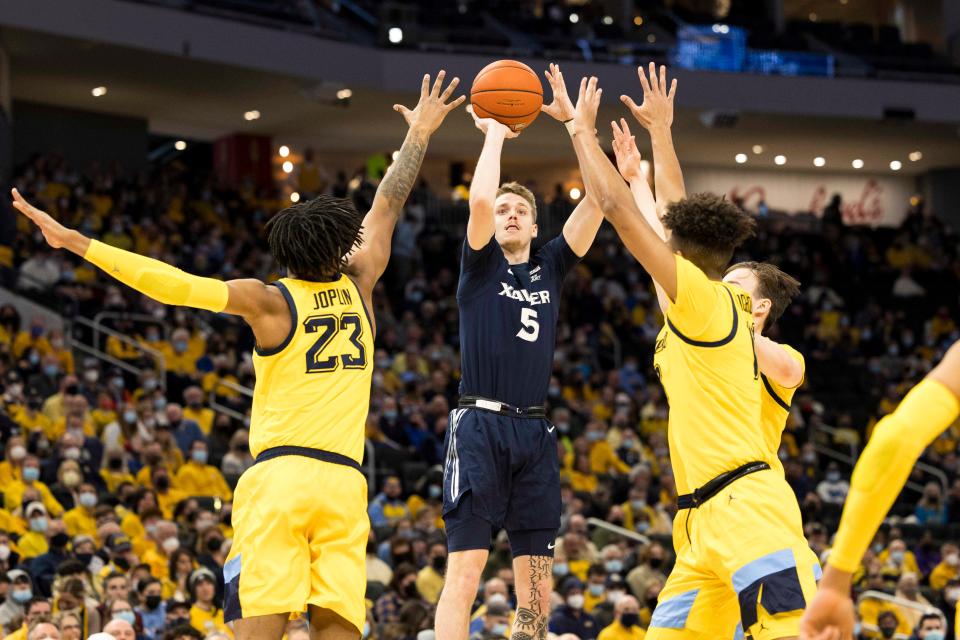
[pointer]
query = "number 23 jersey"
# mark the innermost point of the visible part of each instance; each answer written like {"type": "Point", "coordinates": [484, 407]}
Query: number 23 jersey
{"type": "Point", "coordinates": [508, 321]}
{"type": "Point", "coordinates": [313, 390]}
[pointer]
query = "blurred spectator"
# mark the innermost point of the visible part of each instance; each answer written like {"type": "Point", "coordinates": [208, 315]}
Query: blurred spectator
{"type": "Point", "coordinates": [930, 627]}
{"type": "Point", "coordinates": [932, 508]}
{"type": "Point", "coordinates": [570, 616]}
{"type": "Point", "coordinates": [496, 623]}
{"type": "Point", "coordinates": [430, 578]}
{"type": "Point", "coordinates": [388, 507]}
{"type": "Point", "coordinates": [626, 626]}
{"type": "Point", "coordinates": [833, 489]}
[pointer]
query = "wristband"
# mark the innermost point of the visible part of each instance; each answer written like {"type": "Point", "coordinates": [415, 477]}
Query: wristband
{"type": "Point", "coordinates": [569, 125]}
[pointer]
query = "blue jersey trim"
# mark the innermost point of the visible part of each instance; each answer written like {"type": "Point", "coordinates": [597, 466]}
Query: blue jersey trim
{"type": "Point", "coordinates": [763, 567]}
{"type": "Point", "coordinates": [673, 613]}
{"type": "Point", "coordinates": [293, 323]}
{"type": "Point", "coordinates": [715, 343]}
{"type": "Point", "coordinates": [773, 394]}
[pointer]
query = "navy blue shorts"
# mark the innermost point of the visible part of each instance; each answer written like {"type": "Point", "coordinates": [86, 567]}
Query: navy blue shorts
{"type": "Point", "coordinates": [500, 472]}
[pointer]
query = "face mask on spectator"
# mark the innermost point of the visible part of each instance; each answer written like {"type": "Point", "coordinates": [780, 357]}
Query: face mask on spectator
{"type": "Point", "coordinates": [176, 622]}
{"type": "Point", "coordinates": [129, 616]}
{"type": "Point", "coordinates": [149, 384]}
{"type": "Point", "coordinates": [615, 596]}
{"type": "Point", "coordinates": [897, 557]}
{"type": "Point", "coordinates": [152, 601]}
{"type": "Point", "coordinates": [833, 476]}
{"type": "Point", "coordinates": [170, 544]}
{"type": "Point", "coordinates": [162, 483]}
{"type": "Point", "coordinates": [34, 358]}
{"type": "Point", "coordinates": [71, 453]}
{"type": "Point", "coordinates": [613, 566]}
{"type": "Point", "coordinates": [51, 370]}
{"type": "Point", "coordinates": [888, 632]}
{"type": "Point", "coordinates": [4, 552]}
{"type": "Point", "coordinates": [18, 452]}
{"type": "Point", "coordinates": [214, 544]}
{"type": "Point", "coordinates": [638, 505]}
{"type": "Point", "coordinates": [90, 376]}
{"type": "Point", "coordinates": [366, 630]}
{"type": "Point", "coordinates": [160, 403]}
{"type": "Point", "coordinates": [39, 525]}
{"type": "Point", "coordinates": [31, 474]}
{"type": "Point", "coordinates": [435, 491]}
{"type": "Point", "coordinates": [499, 629]}
{"type": "Point", "coordinates": [199, 456]}
{"type": "Point", "coordinates": [575, 601]}
{"type": "Point", "coordinates": [596, 590]}
{"type": "Point", "coordinates": [560, 569]}
{"type": "Point", "coordinates": [934, 635]}
{"type": "Point", "coordinates": [180, 345]}
{"type": "Point", "coordinates": [496, 598]}
{"type": "Point", "coordinates": [22, 595]}
{"type": "Point", "coordinates": [629, 619]}
{"type": "Point", "coordinates": [129, 416]}
{"type": "Point", "coordinates": [594, 436]}
{"type": "Point", "coordinates": [410, 590]}
{"type": "Point", "coordinates": [952, 559]}
{"type": "Point", "coordinates": [877, 547]}
{"type": "Point", "coordinates": [439, 563]}
{"type": "Point", "coordinates": [115, 464]}
{"type": "Point", "coordinates": [88, 500]}
{"type": "Point", "coordinates": [655, 563]}
{"type": "Point", "coordinates": [118, 382]}
{"type": "Point", "coordinates": [642, 527]}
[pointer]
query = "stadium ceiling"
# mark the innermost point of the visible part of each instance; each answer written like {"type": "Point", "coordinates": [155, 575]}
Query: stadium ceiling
{"type": "Point", "coordinates": [184, 97]}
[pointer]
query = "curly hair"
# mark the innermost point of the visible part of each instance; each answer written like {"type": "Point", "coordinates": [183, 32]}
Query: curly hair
{"type": "Point", "coordinates": [775, 285]}
{"type": "Point", "coordinates": [312, 239]}
{"type": "Point", "coordinates": [707, 229]}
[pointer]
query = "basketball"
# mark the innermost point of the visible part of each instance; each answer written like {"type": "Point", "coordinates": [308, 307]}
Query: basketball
{"type": "Point", "coordinates": [509, 92]}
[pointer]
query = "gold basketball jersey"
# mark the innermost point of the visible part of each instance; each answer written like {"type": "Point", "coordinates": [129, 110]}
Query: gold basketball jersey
{"type": "Point", "coordinates": [313, 390]}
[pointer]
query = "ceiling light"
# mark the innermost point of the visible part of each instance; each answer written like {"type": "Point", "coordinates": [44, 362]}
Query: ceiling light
{"type": "Point", "coordinates": [99, 91]}
{"type": "Point", "coordinates": [721, 28]}
{"type": "Point", "coordinates": [638, 21]}
{"type": "Point", "coordinates": [758, 149]}
{"type": "Point", "coordinates": [916, 156]}
{"type": "Point", "coordinates": [395, 35]}
{"type": "Point", "coordinates": [284, 151]}
{"type": "Point", "coordinates": [819, 161]}
{"type": "Point", "coordinates": [249, 116]}
{"type": "Point", "coordinates": [344, 94]}
{"type": "Point", "coordinates": [288, 166]}
{"type": "Point", "coordinates": [781, 160]}
{"type": "Point", "coordinates": [814, 17]}
{"type": "Point", "coordinates": [180, 145]}
{"type": "Point", "coordinates": [574, 193]}
{"type": "Point", "coordinates": [857, 164]}
{"type": "Point", "coordinates": [607, 20]}
{"type": "Point", "coordinates": [740, 158]}
{"type": "Point", "coordinates": [574, 18]}
{"type": "Point", "coordinates": [294, 197]}
{"type": "Point", "coordinates": [895, 165]}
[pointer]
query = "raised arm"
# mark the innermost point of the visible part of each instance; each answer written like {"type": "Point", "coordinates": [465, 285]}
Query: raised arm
{"type": "Point", "coordinates": [486, 180]}
{"type": "Point", "coordinates": [776, 363]}
{"type": "Point", "coordinates": [614, 197]}
{"type": "Point", "coordinates": [368, 262]}
{"type": "Point", "coordinates": [656, 116]}
{"type": "Point", "coordinates": [628, 162]}
{"type": "Point", "coordinates": [580, 229]}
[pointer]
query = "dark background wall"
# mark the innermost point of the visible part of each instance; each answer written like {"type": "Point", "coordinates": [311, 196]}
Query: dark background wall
{"type": "Point", "coordinates": [81, 137]}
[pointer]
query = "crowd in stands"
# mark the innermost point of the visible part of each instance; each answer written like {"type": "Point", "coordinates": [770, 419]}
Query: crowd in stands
{"type": "Point", "coordinates": [117, 485]}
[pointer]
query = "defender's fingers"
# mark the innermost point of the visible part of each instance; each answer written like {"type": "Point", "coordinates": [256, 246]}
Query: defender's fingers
{"type": "Point", "coordinates": [449, 90]}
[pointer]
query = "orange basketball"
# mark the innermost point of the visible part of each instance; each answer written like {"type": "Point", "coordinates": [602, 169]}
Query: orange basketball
{"type": "Point", "coordinates": [509, 92]}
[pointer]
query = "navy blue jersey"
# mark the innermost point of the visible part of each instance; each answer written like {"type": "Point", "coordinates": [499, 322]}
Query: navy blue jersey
{"type": "Point", "coordinates": [508, 321]}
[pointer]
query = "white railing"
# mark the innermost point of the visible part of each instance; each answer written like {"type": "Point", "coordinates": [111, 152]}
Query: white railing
{"type": "Point", "coordinates": [626, 533]}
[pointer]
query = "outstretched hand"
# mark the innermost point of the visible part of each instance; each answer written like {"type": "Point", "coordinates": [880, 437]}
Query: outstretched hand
{"type": "Point", "coordinates": [54, 233]}
{"type": "Point", "coordinates": [432, 107]}
{"type": "Point", "coordinates": [657, 107]}
{"type": "Point", "coordinates": [626, 152]}
{"type": "Point", "coordinates": [489, 125]}
{"type": "Point", "coordinates": [588, 103]}
{"type": "Point", "coordinates": [561, 108]}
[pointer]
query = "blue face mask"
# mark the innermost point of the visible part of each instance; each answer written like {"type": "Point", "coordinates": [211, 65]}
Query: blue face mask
{"type": "Point", "coordinates": [614, 566]}
{"type": "Point", "coordinates": [129, 416]}
{"type": "Point", "coordinates": [180, 346]}
{"type": "Point", "coordinates": [88, 500]}
{"type": "Point", "coordinates": [22, 596]}
{"type": "Point", "coordinates": [934, 635]}
{"type": "Point", "coordinates": [31, 474]}
{"type": "Point", "coordinates": [499, 630]}
{"type": "Point", "coordinates": [596, 590]}
{"type": "Point", "coordinates": [38, 525]}
{"type": "Point", "coordinates": [199, 456]}
{"type": "Point", "coordinates": [34, 358]}
{"type": "Point", "coordinates": [51, 370]}
{"type": "Point", "coordinates": [560, 569]}
{"type": "Point", "coordinates": [128, 616]}
{"type": "Point", "coordinates": [435, 491]}
{"type": "Point", "coordinates": [366, 630]}
{"type": "Point", "coordinates": [594, 436]}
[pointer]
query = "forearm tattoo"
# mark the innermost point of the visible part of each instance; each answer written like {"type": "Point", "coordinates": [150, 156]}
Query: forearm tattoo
{"type": "Point", "coordinates": [399, 181]}
{"type": "Point", "coordinates": [531, 622]}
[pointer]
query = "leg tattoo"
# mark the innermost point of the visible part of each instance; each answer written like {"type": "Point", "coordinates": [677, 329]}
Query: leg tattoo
{"type": "Point", "coordinates": [531, 622]}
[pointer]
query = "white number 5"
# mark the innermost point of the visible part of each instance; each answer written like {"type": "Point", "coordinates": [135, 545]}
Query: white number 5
{"type": "Point", "coordinates": [531, 328]}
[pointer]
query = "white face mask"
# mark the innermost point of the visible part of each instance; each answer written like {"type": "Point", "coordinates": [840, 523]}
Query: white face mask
{"type": "Point", "coordinates": [170, 544]}
{"type": "Point", "coordinates": [497, 598]}
{"type": "Point", "coordinates": [4, 552]}
{"type": "Point", "coordinates": [575, 601]}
